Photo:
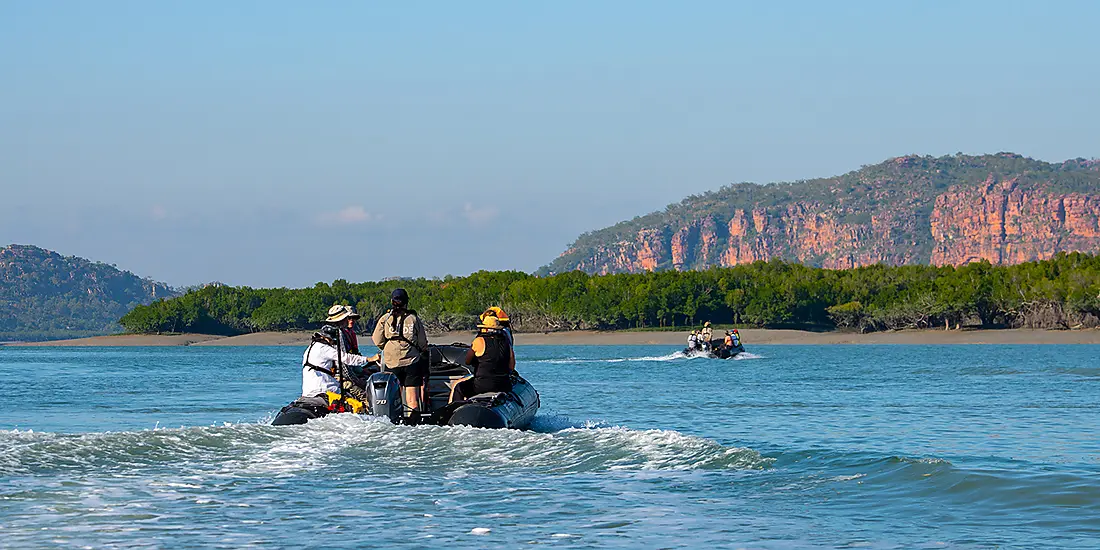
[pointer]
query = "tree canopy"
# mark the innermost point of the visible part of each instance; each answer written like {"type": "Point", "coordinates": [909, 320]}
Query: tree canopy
{"type": "Point", "coordinates": [1060, 292]}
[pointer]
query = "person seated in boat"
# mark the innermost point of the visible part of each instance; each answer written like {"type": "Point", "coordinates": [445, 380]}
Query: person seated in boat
{"type": "Point", "coordinates": [727, 340]}
{"type": "Point", "coordinates": [344, 317]}
{"type": "Point", "coordinates": [400, 335]}
{"type": "Point", "coordinates": [505, 322]}
{"type": "Point", "coordinates": [493, 360]}
{"type": "Point", "coordinates": [693, 341]}
{"type": "Point", "coordinates": [705, 335]}
{"type": "Point", "coordinates": [735, 339]}
{"type": "Point", "coordinates": [321, 360]}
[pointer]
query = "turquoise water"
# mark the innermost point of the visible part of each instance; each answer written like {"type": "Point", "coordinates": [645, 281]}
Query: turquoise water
{"type": "Point", "coordinates": [635, 447]}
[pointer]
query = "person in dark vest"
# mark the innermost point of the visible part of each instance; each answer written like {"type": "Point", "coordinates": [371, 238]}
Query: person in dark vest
{"type": "Point", "coordinates": [344, 318]}
{"type": "Point", "coordinates": [404, 344]}
{"type": "Point", "coordinates": [505, 322]}
{"type": "Point", "coordinates": [492, 357]}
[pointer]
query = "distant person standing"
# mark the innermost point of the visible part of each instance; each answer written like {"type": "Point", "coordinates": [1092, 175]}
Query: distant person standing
{"type": "Point", "coordinates": [705, 335]}
{"type": "Point", "coordinates": [404, 344]}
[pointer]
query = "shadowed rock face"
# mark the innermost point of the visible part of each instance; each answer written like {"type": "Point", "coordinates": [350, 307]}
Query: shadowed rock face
{"type": "Point", "coordinates": [950, 210]}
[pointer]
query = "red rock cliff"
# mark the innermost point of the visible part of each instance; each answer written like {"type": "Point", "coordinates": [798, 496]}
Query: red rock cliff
{"type": "Point", "coordinates": [950, 210]}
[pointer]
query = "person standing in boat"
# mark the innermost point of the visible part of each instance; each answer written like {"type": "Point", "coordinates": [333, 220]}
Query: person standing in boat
{"type": "Point", "coordinates": [705, 335]}
{"type": "Point", "coordinates": [344, 318]}
{"type": "Point", "coordinates": [400, 335]}
{"type": "Point", "coordinates": [492, 357]}
{"type": "Point", "coordinates": [321, 360]}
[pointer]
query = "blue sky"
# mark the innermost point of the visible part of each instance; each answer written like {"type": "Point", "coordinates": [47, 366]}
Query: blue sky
{"type": "Point", "coordinates": [283, 143]}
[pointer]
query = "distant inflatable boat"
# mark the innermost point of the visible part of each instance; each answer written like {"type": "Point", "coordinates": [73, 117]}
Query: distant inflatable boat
{"type": "Point", "coordinates": [380, 395]}
{"type": "Point", "coordinates": [716, 351]}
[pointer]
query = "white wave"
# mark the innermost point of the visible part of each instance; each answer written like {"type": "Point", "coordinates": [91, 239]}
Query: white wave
{"type": "Point", "coordinates": [576, 360]}
{"type": "Point", "coordinates": [743, 356]}
{"type": "Point", "coordinates": [557, 444]}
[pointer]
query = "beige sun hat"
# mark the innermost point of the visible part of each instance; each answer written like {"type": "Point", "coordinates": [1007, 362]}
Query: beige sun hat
{"type": "Point", "coordinates": [490, 322]}
{"type": "Point", "coordinates": [340, 312]}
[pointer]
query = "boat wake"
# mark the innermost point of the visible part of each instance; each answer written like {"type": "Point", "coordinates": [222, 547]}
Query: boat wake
{"type": "Point", "coordinates": [554, 445]}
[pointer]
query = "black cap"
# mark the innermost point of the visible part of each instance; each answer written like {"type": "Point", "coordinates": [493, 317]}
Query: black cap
{"type": "Point", "coordinates": [399, 295]}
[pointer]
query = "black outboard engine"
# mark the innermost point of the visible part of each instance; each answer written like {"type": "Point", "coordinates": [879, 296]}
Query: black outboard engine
{"type": "Point", "coordinates": [384, 396]}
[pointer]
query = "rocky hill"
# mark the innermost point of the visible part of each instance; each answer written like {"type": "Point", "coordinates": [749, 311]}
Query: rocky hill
{"type": "Point", "coordinates": [1003, 208]}
{"type": "Point", "coordinates": [44, 295]}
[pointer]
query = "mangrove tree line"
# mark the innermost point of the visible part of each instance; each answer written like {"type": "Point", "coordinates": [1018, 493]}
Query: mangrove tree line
{"type": "Point", "coordinates": [1060, 292]}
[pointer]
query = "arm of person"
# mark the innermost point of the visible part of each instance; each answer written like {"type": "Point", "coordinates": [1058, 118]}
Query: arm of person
{"type": "Point", "coordinates": [358, 360]}
{"type": "Point", "coordinates": [477, 347]}
{"type": "Point", "coordinates": [511, 360]}
{"type": "Point", "coordinates": [377, 335]}
{"type": "Point", "coordinates": [421, 335]}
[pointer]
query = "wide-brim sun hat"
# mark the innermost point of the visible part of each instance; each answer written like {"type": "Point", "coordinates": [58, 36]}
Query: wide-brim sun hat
{"type": "Point", "coordinates": [341, 312]}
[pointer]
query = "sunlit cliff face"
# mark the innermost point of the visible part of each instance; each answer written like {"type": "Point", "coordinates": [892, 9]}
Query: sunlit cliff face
{"type": "Point", "coordinates": [997, 221]}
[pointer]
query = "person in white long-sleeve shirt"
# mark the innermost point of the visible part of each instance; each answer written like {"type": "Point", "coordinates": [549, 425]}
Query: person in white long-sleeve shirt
{"type": "Point", "coordinates": [319, 365]}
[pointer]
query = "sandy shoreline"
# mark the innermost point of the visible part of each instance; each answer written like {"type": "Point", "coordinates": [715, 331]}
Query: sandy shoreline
{"type": "Point", "coordinates": [625, 338]}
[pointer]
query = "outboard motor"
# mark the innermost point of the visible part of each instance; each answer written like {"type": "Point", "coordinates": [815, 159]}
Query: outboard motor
{"type": "Point", "coordinates": [384, 396]}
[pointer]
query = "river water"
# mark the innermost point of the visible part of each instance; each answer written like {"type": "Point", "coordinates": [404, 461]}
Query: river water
{"type": "Point", "coordinates": [635, 447]}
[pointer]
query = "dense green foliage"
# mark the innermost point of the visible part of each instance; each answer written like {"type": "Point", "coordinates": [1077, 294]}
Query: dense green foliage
{"type": "Point", "coordinates": [1061, 292]}
{"type": "Point", "coordinates": [44, 295]}
{"type": "Point", "coordinates": [855, 197]}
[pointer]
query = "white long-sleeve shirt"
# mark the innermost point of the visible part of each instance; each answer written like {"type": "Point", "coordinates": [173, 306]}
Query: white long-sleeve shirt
{"type": "Point", "coordinates": [322, 355]}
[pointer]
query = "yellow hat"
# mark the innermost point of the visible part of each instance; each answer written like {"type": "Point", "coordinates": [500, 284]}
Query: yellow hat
{"type": "Point", "coordinates": [494, 312]}
{"type": "Point", "coordinates": [706, 324]}
{"type": "Point", "coordinates": [489, 322]}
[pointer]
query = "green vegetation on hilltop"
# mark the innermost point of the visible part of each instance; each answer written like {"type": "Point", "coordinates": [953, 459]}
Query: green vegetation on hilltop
{"type": "Point", "coordinates": [44, 295]}
{"type": "Point", "coordinates": [1061, 292]}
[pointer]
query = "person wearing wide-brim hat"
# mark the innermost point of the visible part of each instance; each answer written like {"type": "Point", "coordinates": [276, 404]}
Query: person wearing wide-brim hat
{"type": "Point", "coordinates": [344, 317]}
{"type": "Point", "coordinates": [326, 352]}
{"type": "Point", "coordinates": [492, 357]}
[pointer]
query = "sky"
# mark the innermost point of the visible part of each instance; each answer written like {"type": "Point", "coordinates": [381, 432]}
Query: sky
{"type": "Point", "coordinates": [278, 143]}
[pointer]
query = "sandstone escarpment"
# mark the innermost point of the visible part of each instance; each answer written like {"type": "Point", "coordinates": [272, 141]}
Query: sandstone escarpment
{"type": "Point", "coordinates": [1004, 224]}
{"type": "Point", "coordinates": [950, 210]}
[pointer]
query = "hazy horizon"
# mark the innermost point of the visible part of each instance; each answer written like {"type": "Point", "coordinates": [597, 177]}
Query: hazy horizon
{"type": "Point", "coordinates": [279, 144]}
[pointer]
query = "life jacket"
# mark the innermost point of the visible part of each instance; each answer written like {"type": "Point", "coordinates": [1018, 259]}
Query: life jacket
{"type": "Point", "coordinates": [736, 340]}
{"type": "Point", "coordinates": [399, 328]}
{"type": "Point", "coordinates": [494, 364]}
{"type": "Point", "coordinates": [318, 339]}
{"type": "Point", "coordinates": [351, 341]}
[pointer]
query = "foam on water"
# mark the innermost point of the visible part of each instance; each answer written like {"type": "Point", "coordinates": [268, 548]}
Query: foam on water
{"type": "Point", "coordinates": [674, 356]}
{"type": "Point", "coordinates": [256, 449]}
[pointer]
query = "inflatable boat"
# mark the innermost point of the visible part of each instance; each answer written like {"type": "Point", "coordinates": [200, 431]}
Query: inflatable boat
{"type": "Point", "coordinates": [716, 351]}
{"type": "Point", "coordinates": [379, 394]}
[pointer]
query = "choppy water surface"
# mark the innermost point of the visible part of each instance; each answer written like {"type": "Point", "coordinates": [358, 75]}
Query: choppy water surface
{"type": "Point", "coordinates": [636, 446]}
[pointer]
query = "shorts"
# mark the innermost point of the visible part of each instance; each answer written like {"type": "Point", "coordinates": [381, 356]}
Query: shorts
{"type": "Point", "coordinates": [414, 374]}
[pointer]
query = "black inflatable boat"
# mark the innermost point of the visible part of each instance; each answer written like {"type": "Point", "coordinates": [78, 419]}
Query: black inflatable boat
{"type": "Point", "coordinates": [380, 395]}
{"type": "Point", "coordinates": [716, 351]}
